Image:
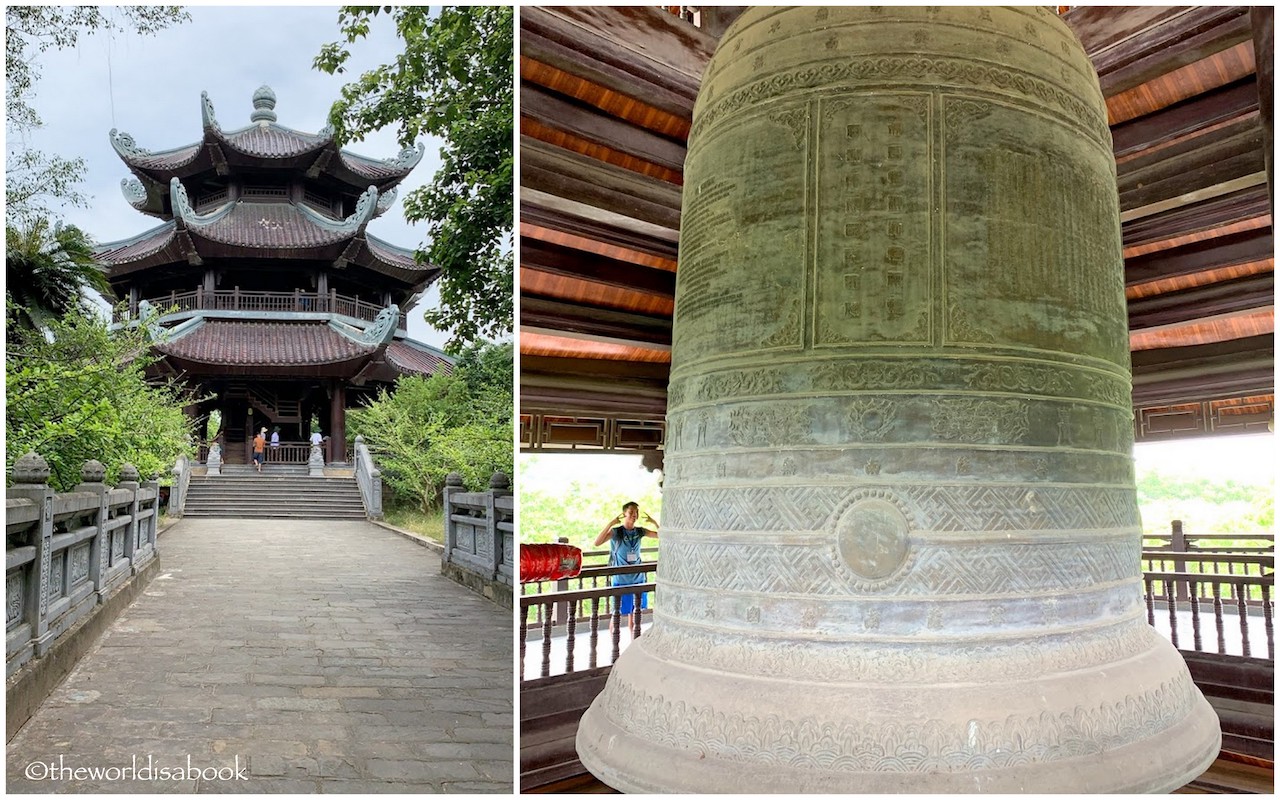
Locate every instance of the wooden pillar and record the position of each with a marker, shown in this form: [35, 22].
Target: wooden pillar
[1263, 19]
[338, 422]
[210, 281]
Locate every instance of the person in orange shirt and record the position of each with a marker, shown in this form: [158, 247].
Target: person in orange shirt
[260, 449]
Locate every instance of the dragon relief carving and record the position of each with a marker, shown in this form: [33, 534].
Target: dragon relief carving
[769, 426]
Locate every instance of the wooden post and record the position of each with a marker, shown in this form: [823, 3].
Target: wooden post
[1178, 544]
[1263, 19]
[562, 585]
[338, 423]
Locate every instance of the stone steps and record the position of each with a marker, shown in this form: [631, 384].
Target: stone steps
[274, 493]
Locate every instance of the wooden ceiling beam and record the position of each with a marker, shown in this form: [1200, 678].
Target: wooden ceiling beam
[592, 386]
[1224, 251]
[1224, 104]
[583, 181]
[1166, 42]
[1103, 28]
[1262, 19]
[1215, 166]
[1205, 215]
[642, 52]
[1225, 139]
[573, 263]
[1234, 368]
[557, 317]
[598, 231]
[1188, 305]
[581, 120]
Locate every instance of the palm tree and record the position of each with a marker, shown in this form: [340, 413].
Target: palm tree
[47, 271]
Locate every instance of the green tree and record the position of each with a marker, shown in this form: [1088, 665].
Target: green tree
[47, 271]
[34, 179]
[429, 427]
[453, 80]
[81, 393]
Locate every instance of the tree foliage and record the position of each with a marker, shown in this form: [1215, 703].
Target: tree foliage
[78, 392]
[1206, 506]
[47, 270]
[429, 427]
[453, 80]
[35, 179]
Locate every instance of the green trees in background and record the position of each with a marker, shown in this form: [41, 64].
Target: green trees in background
[48, 269]
[453, 80]
[76, 392]
[1207, 507]
[429, 427]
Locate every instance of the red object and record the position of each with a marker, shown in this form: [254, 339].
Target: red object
[549, 562]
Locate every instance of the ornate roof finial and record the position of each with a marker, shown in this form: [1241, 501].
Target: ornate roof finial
[206, 112]
[264, 103]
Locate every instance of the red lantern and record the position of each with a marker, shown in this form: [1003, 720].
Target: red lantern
[549, 562]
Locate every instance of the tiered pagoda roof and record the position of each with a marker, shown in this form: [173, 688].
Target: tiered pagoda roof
[264, 142]
[278, 207]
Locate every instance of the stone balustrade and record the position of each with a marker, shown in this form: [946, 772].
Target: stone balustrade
[479, 537]
[68, 552]
[368, 477]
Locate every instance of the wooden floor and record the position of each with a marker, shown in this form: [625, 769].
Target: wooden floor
[1230, 774]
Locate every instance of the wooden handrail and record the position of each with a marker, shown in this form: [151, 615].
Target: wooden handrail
[1266, 561]
[583, 594]
[1210, 577]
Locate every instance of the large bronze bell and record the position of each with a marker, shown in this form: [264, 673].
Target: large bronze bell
[901, 541]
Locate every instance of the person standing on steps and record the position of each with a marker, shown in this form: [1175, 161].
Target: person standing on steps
[624, 551]
[275, 443]
[317, 440]
[260, 449]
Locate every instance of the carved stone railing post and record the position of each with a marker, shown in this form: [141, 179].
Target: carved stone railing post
[145, 547]
[499, 486]
[31, 481]
[452, 485]
[93, 480]
[315, 462]
[369, 479]
[181, 480]
[129, 480]
[215, 459]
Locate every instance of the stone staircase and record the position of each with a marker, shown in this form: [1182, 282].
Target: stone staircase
[282, 490]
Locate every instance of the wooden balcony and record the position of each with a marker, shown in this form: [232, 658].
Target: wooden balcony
[299, 302]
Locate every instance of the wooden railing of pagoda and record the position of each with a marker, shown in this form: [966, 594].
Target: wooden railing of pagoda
[1226, 584]
[266, 302]
[593, 608]
[592, 576]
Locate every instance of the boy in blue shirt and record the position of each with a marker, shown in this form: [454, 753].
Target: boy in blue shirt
[624, 550]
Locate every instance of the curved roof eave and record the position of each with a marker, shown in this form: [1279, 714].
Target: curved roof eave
[136, 251]
[397, 262]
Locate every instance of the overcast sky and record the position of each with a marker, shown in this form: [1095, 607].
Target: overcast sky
[149, 87]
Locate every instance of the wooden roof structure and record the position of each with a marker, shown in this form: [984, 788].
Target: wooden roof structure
[606, 103]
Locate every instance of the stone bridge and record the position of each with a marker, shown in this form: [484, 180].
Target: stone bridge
[284, 656]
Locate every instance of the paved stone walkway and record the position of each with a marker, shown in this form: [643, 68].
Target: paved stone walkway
[324, 656]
